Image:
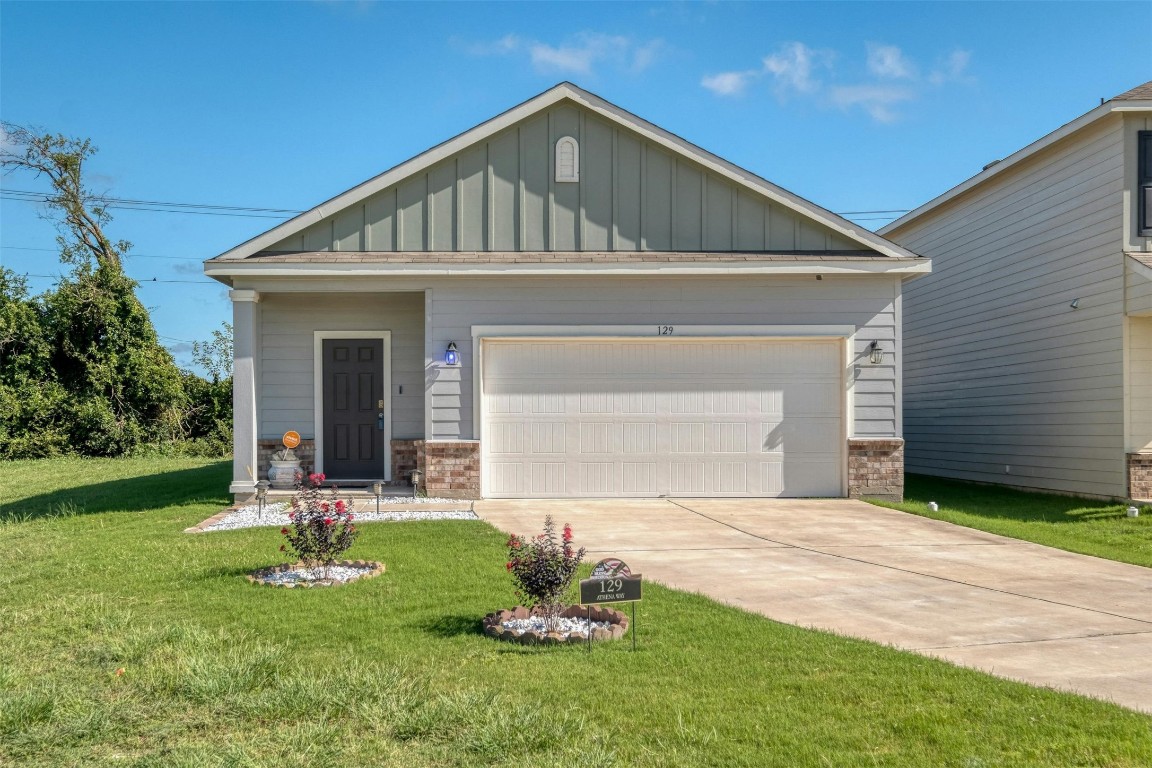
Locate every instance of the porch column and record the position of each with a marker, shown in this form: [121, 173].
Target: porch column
[245, 332]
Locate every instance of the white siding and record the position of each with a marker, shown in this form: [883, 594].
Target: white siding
[285, 391]
[1140, 383]
[1003, 380]
[866, 303]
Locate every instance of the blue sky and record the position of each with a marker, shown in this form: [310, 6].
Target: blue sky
[855, 106]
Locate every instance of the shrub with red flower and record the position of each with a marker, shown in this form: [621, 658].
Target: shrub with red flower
[542, 570]
[320, 530]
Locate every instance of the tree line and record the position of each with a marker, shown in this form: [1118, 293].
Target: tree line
[82, 370]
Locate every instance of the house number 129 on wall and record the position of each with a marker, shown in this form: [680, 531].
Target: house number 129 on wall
[664, 330]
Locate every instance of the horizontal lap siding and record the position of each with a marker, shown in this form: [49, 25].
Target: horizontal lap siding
[1003, 381]
[868, 304]
[1140, 382]
[288, 323]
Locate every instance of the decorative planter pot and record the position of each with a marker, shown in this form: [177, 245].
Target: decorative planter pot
[285, 474]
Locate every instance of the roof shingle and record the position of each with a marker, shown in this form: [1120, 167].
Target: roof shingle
[1137, 93]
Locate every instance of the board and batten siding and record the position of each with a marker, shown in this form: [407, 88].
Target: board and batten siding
[502, 195]
[869, 304]
[288, 323]
[1003, 380]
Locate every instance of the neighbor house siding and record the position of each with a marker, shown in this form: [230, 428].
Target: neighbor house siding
[1003, 380]
[502, 195]
[1140, 384]
[870, 304]
[286, 395]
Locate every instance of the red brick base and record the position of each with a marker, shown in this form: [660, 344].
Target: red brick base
[876, 469]
[403, 460]
[1140, 476]
[451, 468]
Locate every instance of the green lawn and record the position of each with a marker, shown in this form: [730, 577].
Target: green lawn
[395, 671]
[1088, 526]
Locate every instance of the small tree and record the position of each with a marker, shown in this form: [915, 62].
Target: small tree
[542, 570]
[320, 528]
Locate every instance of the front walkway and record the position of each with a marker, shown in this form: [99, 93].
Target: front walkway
[1008, 607]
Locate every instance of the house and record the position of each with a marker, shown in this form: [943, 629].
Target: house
[1028, 352]
[569, 301]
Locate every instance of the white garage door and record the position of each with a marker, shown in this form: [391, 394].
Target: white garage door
[662, 418]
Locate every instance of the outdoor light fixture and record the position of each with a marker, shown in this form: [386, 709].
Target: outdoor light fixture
[261, 495]
[451, 356]
[875, 354]
[415, 476]
[378, 489]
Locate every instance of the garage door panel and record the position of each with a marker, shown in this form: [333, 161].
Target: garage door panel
[753, 418]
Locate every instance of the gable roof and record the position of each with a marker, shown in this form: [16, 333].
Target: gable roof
[1139, 99]
[610, 112]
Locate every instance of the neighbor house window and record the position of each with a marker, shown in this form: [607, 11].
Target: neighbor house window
[1145, 191]
[567, 159]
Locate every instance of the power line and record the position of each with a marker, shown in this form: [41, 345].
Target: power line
[126, 255]
[41, 196]
[140, 280]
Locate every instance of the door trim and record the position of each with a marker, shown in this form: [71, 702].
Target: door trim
[318, 338]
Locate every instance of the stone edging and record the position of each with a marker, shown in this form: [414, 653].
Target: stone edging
[203, 525]
[377, 569]
[493, 625]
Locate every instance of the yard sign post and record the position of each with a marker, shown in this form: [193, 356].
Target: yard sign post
[611, 581]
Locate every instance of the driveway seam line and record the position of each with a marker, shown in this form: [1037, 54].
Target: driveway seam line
[911, 572]
[1028, 642]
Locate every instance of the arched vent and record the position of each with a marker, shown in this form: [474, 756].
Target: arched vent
[567, 159]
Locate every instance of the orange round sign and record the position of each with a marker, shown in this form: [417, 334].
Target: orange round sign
[291, 439]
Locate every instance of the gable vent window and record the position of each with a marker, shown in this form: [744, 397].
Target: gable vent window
[567, 159]
[1145, 192]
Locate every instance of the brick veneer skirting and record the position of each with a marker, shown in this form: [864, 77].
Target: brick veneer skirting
[451, 468]
[306, 452]
[1140, 475]
[876, 469]
[403, 460]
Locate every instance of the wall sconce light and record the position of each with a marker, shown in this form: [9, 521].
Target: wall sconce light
[1075, 303]
[875, 354]
[451, 356]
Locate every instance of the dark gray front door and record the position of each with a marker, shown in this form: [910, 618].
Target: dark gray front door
[353, 416]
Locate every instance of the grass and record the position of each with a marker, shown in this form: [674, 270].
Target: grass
[395, 671]
[1076, 524]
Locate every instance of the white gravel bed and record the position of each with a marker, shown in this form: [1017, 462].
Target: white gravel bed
[566, 627]
[317, 576]
[276, 515]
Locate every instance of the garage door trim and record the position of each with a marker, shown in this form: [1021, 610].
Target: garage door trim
[650, 333]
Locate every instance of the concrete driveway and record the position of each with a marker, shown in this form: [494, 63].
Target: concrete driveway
[1007, 607]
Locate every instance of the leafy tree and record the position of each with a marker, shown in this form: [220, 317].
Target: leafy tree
[215, 356]
[122, 387]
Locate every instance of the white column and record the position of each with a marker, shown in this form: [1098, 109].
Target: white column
[245, 336]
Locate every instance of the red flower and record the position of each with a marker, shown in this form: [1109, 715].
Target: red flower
[351, 517]
[567, 533]
[321, 476]
[327, 521]
[508, 565]
[324, 506]
[291, 515]
[284, 531]
[339, 505]
[315, 478]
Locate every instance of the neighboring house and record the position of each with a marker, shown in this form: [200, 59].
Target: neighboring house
[567, 300]
[1028, 352]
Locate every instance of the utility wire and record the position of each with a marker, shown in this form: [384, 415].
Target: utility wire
[140, 280]
[45, 197]
[126, 255]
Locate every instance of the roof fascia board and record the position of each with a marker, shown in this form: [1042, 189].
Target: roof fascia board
[223, 270]
[604, 108]
[1019, 156]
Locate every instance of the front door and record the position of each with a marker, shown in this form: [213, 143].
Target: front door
[354, 409]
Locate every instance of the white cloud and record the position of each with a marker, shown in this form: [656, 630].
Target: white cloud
[877, 100]
[889, 62]
[729, 83]
[793, 65]
[952, 69]
[889, 78]
[579, 55]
